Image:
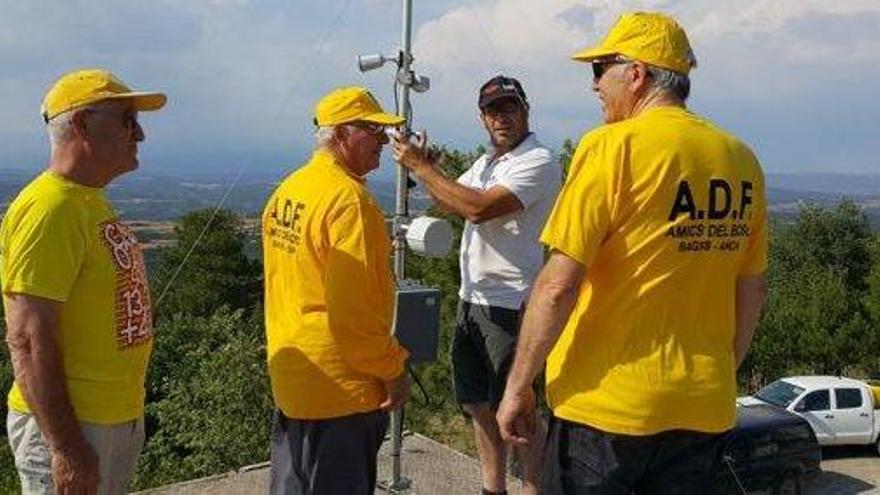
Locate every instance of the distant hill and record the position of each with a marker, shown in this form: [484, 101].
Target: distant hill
[787, 192]
[851, 185]
[778, 197]
[146, 196]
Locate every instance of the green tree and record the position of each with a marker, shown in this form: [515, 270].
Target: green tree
[872, 303]
[217, 272]
[818, 317]
[839, 239]
[566, 153]
[208, 402]
[210, 409]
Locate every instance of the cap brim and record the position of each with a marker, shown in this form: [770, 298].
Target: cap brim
[384, 119]
[593, 53]
[502, 96]
[144, 101]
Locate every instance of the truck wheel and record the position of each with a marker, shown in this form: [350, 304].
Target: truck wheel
[789, 485]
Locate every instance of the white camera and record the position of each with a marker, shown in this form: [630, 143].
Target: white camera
[392, 132]
[397, 133]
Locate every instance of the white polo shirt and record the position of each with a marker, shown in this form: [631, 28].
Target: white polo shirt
[501, 257]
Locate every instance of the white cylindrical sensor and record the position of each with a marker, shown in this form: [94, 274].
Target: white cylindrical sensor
[429, 236]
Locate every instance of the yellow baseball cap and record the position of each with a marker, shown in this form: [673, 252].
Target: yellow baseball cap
[343, 105]
[83, 87]
[650, 37]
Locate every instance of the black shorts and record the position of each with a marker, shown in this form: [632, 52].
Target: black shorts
[318, 456]
[580, 459]
[482, 352]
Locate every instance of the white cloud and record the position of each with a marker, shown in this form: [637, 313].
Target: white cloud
[222, 62]
[514, 33]
[763, 16]
[785, 40]
[244, 75]
[531, 35]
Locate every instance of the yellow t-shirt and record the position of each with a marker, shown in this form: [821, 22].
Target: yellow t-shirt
[329, 294]
[666, 211]
[62, 241]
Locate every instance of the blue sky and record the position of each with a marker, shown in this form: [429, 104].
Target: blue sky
[796, 79]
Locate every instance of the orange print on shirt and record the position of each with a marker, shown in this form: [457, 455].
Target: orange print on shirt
[134, 318]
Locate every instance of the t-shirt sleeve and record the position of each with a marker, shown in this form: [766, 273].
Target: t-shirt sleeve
[532, 178]
[43, 251]
[465, 178]
[580, 219]
[755, 257]
[358, 285]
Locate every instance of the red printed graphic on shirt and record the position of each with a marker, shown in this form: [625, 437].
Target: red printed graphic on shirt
[134, 318]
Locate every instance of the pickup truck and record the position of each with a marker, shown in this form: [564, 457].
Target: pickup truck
[841, 411]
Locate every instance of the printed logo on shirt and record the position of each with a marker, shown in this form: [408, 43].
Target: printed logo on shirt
[722, 224]
[134, 318]
[284, 226]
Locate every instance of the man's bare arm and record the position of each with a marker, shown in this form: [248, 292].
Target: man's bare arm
[474, 205]
[553, 298]
[750, 294]
[32, 332]
[552, 301]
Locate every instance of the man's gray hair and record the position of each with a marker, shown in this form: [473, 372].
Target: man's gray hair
[324, 135]
[59, 128]
[669, 81]
[675, 83]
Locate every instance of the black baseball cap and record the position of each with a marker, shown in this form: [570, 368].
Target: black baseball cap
[500, 87]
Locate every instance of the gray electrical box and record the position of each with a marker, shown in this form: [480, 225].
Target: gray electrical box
[417, 320]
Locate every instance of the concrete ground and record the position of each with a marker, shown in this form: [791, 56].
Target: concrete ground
[432, 468]
[847, 470]
[437, 469]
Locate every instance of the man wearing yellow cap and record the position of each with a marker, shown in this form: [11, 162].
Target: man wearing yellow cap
[78, 314]
[654, 284]
[335, 368]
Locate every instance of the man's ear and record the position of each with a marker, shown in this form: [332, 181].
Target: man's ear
[78, 123]
[481, 116]
[340, 137]
[638, 75]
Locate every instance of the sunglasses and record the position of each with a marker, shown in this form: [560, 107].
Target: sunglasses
[600, 67]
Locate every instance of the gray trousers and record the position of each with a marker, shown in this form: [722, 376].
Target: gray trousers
[117, 448]
[335, 456]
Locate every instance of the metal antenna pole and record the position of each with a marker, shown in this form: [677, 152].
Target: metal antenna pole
[405, 78]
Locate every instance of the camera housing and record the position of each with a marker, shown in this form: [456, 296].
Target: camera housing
[398, 133]
[392, 132]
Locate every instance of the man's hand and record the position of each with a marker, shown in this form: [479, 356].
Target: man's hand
[76, 470]
[517, 417]
[414, 156]
[397, 391]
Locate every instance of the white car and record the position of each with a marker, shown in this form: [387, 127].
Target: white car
[841, 411]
